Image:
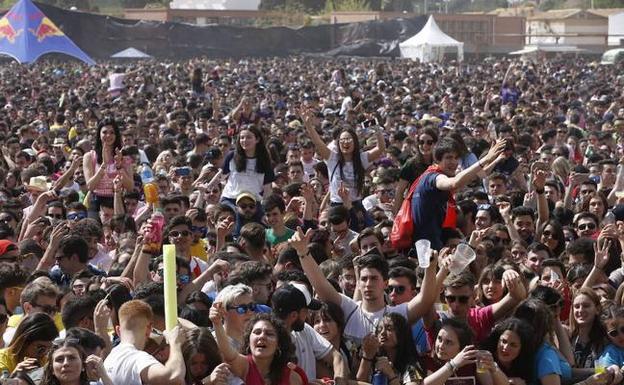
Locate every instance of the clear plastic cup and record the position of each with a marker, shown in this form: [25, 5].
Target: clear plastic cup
[464, 255]
[423, 250]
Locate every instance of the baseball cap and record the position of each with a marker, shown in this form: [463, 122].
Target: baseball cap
[293, 297]
[6, 246]
[245, 194]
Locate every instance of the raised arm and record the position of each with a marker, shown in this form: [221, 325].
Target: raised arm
[91, 174]
[310, 123]
[238, 362]
[420, 305]
[65, 178]
[446, 183]
[174, 370]
[538, 181]
[321, 285]
[380, 148]
[516, 293]
[216, 267]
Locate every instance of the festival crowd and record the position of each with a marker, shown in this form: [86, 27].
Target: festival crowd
[294, 190]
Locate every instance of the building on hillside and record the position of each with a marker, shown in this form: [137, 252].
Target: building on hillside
[221, 5]
[212, 16]
[585, 28]
[480, 33]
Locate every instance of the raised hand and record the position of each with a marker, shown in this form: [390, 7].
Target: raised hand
[217, 313]
[601, 253]
[299, 241]
[370, 346]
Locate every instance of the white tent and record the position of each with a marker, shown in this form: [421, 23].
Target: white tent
[430, 44]
[131, 53]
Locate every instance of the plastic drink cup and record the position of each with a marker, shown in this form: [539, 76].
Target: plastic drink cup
[464, 255]
[423, 250]
[481, 368]
[599, 367]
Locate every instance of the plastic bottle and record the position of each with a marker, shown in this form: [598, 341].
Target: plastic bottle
[379, 378]
[609, 218]
[153, 239]
[150, 189]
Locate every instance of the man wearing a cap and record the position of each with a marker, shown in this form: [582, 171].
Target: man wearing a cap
[291, 303]
[246, 211]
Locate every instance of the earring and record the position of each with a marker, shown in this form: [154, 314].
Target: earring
[279, 351]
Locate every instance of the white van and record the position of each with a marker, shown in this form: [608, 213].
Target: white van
[612, 56]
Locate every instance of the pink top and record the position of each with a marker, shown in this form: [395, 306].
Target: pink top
[105, 186]
[254, 377]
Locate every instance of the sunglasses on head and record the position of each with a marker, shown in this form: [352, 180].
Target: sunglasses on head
[399, 289]
[242, 309]
[76, 216]
[183, 233]
[615, 332]
[586, 226]
[463, 299]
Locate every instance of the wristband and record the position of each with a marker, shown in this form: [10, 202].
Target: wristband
[367, 359]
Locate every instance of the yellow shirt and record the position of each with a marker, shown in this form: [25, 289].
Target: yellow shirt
[199, 249]
[7, 361]
[15, 319]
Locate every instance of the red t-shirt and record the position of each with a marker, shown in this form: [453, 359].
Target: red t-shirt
[480, 319]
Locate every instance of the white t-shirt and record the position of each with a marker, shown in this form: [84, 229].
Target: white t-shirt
[244, 181]
[116, 81]
[125, 363]
[349, 176]
[359, 323]
[308, 168]
[309, 346]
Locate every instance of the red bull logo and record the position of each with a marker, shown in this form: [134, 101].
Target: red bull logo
[7, 31]
[46, 29]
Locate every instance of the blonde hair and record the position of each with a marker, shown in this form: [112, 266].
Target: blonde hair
[561, 167]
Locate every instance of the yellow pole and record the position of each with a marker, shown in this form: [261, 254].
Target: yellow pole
[171, 288]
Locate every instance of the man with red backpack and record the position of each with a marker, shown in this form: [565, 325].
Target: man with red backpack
[432, 201]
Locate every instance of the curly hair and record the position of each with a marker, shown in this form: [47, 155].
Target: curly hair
[285, 349]
[48, 377]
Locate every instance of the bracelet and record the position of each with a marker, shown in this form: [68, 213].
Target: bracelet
[367, 359]
[452, 365]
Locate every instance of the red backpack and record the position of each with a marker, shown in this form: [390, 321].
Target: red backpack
[402, 234]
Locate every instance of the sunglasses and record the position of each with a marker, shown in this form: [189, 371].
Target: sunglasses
[76, 216]
[463, 299]
[48, 309]
[399, 289]
[56, 216]
[199, 229]
[242, 309]
[388, 191]
[615, 332]
[336, 221]
[548, 233]
[250, 206]
[427, 142]
[586, 226]
[176, 234]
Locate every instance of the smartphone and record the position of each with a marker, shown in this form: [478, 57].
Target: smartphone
[183, 171]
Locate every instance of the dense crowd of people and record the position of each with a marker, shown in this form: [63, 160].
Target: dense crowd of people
[294, 190]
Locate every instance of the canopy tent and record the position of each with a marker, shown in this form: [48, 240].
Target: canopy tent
[131, 53]
[430, 44]
[26, 34]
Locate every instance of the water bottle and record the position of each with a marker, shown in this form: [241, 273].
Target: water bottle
[379, 378]
[153, 239]
[147, 175]
[609, 218]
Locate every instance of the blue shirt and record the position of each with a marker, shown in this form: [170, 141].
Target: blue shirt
[549, 361]
[612, 355]
[419, 336]
[429, 209]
